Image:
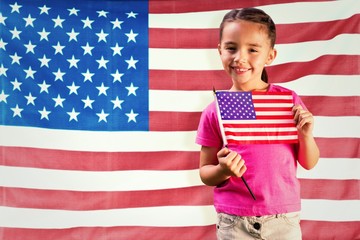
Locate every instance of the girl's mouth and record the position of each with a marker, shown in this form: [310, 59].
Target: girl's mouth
[240, 70]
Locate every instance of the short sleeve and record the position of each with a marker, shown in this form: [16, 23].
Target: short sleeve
[208, 133]
[297, 100]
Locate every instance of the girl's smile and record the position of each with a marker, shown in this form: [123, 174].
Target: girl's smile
[240, 70]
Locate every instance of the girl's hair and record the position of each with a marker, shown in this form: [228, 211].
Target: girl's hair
[253, 15]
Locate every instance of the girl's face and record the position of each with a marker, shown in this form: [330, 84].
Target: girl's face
[244, 51]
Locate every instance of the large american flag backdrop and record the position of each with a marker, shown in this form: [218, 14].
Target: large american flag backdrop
[100, 102]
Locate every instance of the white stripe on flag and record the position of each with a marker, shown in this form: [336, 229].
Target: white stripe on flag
[272, 105]
[98, 141]
[208, 59]
[134, 180]
[330, 210]
[167, 216]
[258, 121]
[332, 168]
[336, 85]
[265, 137]
[337, 127]
[306, 51]
[272, 96]
[282, 129]
[261, 113]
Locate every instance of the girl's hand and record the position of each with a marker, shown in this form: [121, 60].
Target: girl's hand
[304, 120]
[231, 162]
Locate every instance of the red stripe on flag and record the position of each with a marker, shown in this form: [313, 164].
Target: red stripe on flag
[271, 101]
[256, 125]
[333, 106]
[183, 38]
[330, 189]
[173, 121]
[112, 233]
[282, 141]
[339, 147]
[330, 230]
[260, 134]
[64, 200]
[156, 6]
[272, 109]
[271, 95]
[188, 80]
[303, 32]
[274, 117]
[98, 161]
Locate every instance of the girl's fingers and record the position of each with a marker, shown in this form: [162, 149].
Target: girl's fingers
[302, 116]
[235, 163]
[305, 120]
[223, 152]
[241, 168]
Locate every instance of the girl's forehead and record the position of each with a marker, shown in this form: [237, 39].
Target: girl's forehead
[245, 29]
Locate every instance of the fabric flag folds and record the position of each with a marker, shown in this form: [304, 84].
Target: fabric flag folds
[100, 102]
[257, 117]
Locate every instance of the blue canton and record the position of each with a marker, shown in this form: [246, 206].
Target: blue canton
[80, 65]
[236, 105]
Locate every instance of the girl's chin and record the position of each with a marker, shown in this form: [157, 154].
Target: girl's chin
[240, 79]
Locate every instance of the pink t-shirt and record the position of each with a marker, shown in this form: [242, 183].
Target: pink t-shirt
[271, 171]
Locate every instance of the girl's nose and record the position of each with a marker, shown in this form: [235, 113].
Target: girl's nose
[241, 60]
[240, 57]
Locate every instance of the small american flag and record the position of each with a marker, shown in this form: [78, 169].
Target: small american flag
[256, 117]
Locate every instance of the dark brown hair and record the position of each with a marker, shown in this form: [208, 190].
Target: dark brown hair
[252, 15]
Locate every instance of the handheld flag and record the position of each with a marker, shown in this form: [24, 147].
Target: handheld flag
[257, 117]
[225, 143]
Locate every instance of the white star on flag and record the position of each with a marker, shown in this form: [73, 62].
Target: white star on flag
[131, 62]
[132, 116]
[102, 116]
[131, 36]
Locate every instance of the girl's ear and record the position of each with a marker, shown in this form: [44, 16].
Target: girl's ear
[219, 48]
[272, 56]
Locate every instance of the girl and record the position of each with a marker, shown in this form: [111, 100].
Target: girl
[247, 39]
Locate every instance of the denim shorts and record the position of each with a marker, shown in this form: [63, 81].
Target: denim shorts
[273, 227]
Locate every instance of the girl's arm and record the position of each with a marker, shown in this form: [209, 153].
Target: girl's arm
[308, 153]
[217, 165]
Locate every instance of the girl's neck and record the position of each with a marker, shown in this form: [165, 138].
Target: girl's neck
[260, 87]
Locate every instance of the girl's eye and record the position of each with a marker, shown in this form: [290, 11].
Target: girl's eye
[230, 48]
[252, 50]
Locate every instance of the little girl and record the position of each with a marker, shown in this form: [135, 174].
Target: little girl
[247, 39]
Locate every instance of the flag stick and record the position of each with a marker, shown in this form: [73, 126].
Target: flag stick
[225, 141]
